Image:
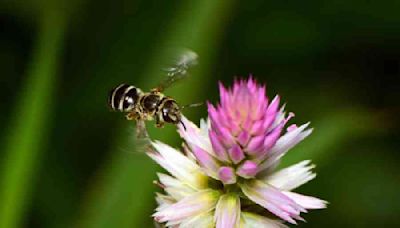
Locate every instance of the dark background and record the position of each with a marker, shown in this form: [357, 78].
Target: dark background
[67, 161]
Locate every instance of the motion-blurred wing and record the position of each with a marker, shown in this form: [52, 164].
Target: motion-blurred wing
[141, 131]
[137, 139]
[179, 69]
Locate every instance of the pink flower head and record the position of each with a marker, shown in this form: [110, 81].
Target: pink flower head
[245, 127]
[240, 147]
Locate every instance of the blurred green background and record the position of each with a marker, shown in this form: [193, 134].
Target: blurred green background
[67, 161]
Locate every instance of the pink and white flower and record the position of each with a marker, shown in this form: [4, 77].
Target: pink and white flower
[226, 176]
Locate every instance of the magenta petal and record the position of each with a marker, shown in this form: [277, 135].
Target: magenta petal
[268, 143]
[225, 136]
[272, 110]
[271, 139]
[227, 175]
[262, 99]
[224, 95]
[248, 123]
[255, 144]
[236, 154]
[243, 138]
[227, 122]
[219, 149]
[258, 128]
[218, 117]
[209, 163]
[292, 127]
[236, 86]
[247, 170]
[212, 113]
[251, 85]
[273, 107]
[259, 104]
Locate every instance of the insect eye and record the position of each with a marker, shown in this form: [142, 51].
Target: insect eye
[170, 112]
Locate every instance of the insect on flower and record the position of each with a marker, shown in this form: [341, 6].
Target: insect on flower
[145, 106]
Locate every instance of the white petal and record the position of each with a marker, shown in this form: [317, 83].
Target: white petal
[227, 212]
[308, 202]
[196, 136]
[175, 188]
[290, 139]
[292, 176]
[250, 220]
[193, 205]
[205, 125]
[272, 199]
[284, 144]
[280, 116]
[203, 221]
[178, 165]
[163, 201]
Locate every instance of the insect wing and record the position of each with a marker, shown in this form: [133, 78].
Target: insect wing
[137, 139]
[141, 131]
[179, 69]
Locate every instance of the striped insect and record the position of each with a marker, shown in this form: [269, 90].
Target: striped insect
[154, 105]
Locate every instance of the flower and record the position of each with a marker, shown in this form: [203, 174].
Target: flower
[226, 176]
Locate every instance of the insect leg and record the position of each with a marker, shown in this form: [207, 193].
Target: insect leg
[132, 115]
[159, 122]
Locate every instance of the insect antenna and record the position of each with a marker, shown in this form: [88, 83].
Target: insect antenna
[189, 106]
[183, 125]
[192, 105]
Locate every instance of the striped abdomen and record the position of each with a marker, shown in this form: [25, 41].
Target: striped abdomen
[124, 97]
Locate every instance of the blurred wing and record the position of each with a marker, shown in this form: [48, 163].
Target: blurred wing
[179, 69]
[143, 141]
[141, 131]
[137, 140]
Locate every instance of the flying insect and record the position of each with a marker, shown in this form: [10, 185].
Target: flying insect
[154, 105]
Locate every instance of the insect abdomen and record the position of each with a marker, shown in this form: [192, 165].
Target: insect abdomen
[124, 97]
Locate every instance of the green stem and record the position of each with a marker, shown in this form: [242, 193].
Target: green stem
[28, 129]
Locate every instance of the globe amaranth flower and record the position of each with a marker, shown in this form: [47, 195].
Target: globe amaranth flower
[226, 176]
